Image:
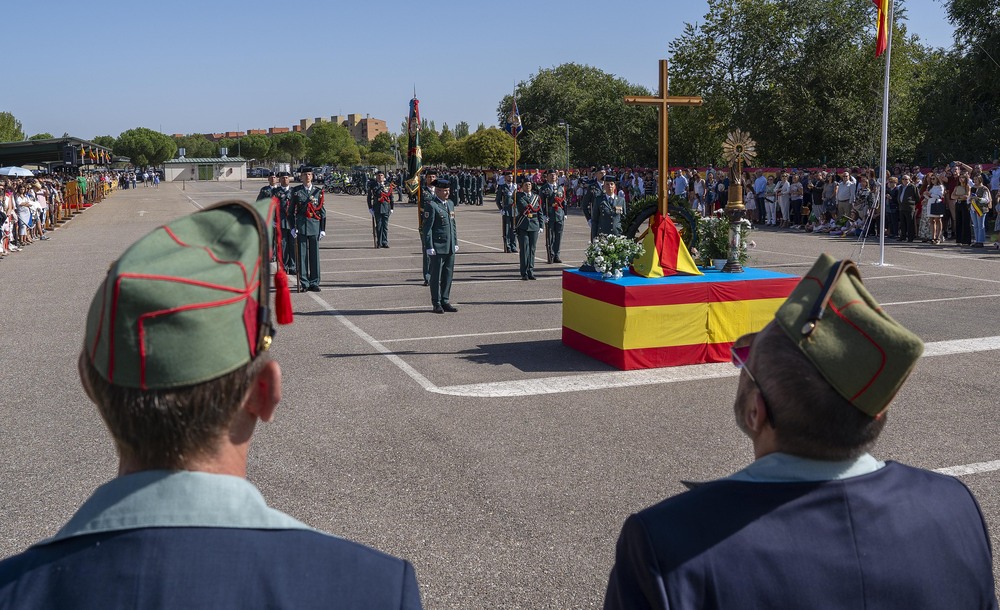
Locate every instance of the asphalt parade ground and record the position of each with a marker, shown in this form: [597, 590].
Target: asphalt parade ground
[474, 444]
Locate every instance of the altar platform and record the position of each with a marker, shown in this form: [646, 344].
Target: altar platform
[636, 322]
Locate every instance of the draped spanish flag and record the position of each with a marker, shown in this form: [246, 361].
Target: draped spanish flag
[665, 253]
[881, 40]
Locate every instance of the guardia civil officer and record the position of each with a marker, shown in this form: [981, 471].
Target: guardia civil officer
[592, 189]
[380, 207]
[266, 191]
[553, 197]
[440, 240]
[426, 193]
[478, 187]
[309, 220]
[178, 525]
[453, 186]
[505, 199]
[816, 521]
[284, 194]
[528, 221]
[607, 210]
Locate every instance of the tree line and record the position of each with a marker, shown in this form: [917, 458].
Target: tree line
[801, 76]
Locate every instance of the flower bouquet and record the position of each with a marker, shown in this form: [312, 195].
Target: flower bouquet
[610, 255]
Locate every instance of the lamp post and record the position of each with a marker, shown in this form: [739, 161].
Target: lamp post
[566, 125]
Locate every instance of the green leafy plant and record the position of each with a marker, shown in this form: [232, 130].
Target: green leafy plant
[713, 238]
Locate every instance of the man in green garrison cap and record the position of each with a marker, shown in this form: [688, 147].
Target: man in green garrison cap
[815, 521]
[176, 359]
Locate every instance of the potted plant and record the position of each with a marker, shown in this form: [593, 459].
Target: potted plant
[610, 255]
[713, 240]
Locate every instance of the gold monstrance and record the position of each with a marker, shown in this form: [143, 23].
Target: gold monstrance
[738, 150]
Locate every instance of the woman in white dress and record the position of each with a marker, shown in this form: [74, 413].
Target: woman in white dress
[932, 206]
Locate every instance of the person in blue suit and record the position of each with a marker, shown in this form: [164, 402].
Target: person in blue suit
[815, 521]
[176, 358]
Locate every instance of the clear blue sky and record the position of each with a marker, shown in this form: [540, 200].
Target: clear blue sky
[193, 66]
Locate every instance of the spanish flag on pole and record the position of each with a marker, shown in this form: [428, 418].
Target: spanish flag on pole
[881, 40]
[664, 251]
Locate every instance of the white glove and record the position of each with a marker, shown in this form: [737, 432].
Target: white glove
[456, 248]
[322, 234]
[390, 211]
[431, 252]
[295, 234]
[371, 212]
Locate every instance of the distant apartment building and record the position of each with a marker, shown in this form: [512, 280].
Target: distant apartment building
[362, 128]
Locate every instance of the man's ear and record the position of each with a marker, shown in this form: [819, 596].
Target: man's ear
[265, 392]
[755, 416]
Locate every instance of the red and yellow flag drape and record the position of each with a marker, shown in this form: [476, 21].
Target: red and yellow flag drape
[882, 38]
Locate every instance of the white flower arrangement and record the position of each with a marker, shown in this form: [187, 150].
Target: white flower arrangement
[610, 255]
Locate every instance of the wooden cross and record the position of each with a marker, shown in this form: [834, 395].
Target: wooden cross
[663, 101]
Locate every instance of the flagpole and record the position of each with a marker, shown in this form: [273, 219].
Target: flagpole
[885, 134]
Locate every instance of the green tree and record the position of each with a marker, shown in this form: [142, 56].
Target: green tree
[603, 128]
[958, 95]
[446, 135]
[293, 143]
[331, 144]
[461, 130]
[255, 146]
[801, 77]
[10, 128]
[145, 146]
[197, 145]
[229, 144]
[105, 141]
[454, 153]
[489, 148]
[381, 159]
[480, 127]
[42, 136]
[431, 146]
[382, 143]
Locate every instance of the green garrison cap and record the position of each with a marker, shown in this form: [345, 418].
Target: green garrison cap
[862, 352]
[188, 302]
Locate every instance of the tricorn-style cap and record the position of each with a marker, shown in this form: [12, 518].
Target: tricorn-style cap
[187, 303]
[861, 351]
[610, 178]
[442, 183]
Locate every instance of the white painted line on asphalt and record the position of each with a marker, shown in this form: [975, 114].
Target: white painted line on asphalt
[592, 381]
[499, 332]
[977, 296]
[406, 228]
[193, 202]
[961, 346]
[621, 379]
[417, 270]
[416, 282]
[399, 362]
[957, 471]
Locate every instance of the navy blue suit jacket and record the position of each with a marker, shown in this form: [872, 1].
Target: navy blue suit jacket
[196, 567]
[897, 538]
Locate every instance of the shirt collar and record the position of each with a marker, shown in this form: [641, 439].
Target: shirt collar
[786, 468]
[160, 498]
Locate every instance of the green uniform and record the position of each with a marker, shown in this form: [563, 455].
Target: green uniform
[309, 220]
[529, 220]
[606, 215]
[426, 194]
[505, 203]
[380, 204]
[554, 203]
[439, 235]
[284, 195]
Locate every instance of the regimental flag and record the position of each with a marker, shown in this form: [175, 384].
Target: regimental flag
[882, 39]
[413, 157]
[513, 123]
[664, 251]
